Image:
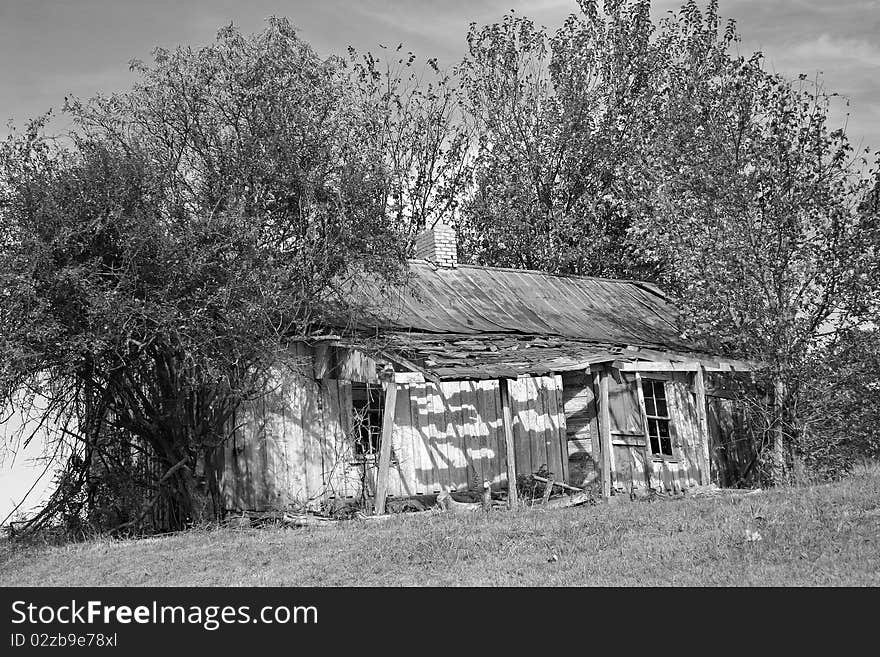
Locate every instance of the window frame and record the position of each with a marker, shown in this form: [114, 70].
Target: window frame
[374, 406]
[649, 385]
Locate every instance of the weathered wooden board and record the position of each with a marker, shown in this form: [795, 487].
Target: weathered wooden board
[440, 438]
[560, 427]
[277, 473]
[385, 445]
[518, 399]
[404, 444]
[699, 388]
[353, 365]
[313, 441]
[510, 451]
[434, 432]
[296, 440]
[623, 404]
[455, 398]
[547, 433]
[534, 424]
[489, 412]
[629, 464]
[349, 477]
[257, 453]
[686, 425]
[474, 432]
[732, 453]
[579, 406]
[294, 447]
[328, 391]
[602, 382]
[232, 477]
[581, 427]
[419, 402]
[428, 438]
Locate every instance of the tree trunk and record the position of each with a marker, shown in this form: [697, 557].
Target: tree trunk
[778, 454]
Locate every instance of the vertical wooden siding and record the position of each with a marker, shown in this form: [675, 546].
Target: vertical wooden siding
[447, 436]
[623, 404]
[732, 452]
[581, 428]
[291, 448]
[631, 462]
[539, 425]
[688, 462]
[628, 440]
[294, 447]
[686, 426]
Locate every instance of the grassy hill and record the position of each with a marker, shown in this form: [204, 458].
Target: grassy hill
[820, 535]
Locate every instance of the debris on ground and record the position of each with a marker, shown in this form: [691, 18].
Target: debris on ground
[753, 536]
[250, 519]
[538, 490]
[566, 501]
[706, 491]
[542, 490]
[711, 490]
[469, 501]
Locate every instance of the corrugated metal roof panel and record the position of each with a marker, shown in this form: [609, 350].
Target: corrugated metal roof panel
[472, 300]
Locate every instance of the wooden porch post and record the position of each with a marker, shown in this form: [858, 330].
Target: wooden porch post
[605, 431]
[385, 446]
[507, 421]
[700, 391]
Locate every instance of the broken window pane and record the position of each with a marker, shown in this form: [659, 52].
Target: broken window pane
[367, 408]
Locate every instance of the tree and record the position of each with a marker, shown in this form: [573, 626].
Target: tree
[621, 148]
[557, 121]
[156, 263]
[838, 410]
[413, 113]
[753, 220]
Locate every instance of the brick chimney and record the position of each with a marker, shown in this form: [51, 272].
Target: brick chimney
[438, 244]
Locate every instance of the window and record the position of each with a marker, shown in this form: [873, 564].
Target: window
[367, 405]
[658, 417]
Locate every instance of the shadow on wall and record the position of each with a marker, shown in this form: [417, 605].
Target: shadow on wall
[294, 446]
[454, 433]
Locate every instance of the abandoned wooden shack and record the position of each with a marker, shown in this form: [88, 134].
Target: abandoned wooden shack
[483, 373]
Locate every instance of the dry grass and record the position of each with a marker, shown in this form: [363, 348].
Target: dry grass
[820, 535]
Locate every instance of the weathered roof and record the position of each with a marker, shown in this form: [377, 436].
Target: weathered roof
[473, 300]
[494, 356]
[445, 356]
[473, 322]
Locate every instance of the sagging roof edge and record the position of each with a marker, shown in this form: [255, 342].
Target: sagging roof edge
[625, 358]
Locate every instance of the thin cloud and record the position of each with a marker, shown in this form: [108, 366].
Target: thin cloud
[830, 51]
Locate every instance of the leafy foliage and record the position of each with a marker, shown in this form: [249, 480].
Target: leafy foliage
[620, 147]
[558, 121]
[157, 261]
[754, 222]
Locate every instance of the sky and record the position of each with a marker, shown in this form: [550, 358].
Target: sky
[53, 48]
[50, 49]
